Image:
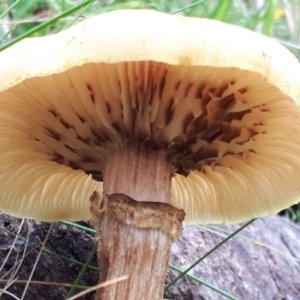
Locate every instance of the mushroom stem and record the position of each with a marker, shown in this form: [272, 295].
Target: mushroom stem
[141, 174]
[135, 236]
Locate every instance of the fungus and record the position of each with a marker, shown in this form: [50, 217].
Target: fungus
[159, 117]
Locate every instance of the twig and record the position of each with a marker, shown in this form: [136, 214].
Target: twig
[98, 286]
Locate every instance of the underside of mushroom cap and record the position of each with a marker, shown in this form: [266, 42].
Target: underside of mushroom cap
[224, 117]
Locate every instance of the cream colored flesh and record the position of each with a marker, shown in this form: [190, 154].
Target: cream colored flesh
[236, 152]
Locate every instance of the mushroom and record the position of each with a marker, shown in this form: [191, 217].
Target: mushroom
[159, 117]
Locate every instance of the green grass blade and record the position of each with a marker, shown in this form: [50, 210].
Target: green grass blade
[79, 15]
[221, 10]
[75, 225]
[268, 23]
[46, 24]
[208, 253]
[82, 272]
[196, 279]
[187, 7]
[9, 9]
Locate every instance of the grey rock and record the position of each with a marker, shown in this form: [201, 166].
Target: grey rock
[268, 269]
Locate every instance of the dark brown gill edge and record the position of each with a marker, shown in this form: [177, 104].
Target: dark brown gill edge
[136, 224]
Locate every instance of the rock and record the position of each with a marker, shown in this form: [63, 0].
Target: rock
[241, 268]
[267, 269]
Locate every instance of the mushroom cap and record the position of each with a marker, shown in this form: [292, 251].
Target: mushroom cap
[218, 100]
